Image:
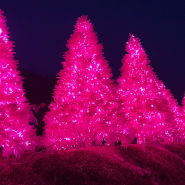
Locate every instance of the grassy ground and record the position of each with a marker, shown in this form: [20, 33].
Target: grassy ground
[159, 164]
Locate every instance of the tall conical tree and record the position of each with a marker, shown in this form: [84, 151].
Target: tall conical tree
[15, 133]
[84, 107]
[145, 106]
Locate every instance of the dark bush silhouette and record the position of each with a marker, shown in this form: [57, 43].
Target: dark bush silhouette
[38, 88]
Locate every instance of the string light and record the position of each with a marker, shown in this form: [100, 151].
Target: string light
[150, 109]
[87, 92]
[15, 133]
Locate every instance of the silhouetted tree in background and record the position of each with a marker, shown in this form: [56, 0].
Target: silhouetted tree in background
[38, 89]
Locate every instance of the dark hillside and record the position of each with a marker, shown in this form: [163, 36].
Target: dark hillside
[98, 165]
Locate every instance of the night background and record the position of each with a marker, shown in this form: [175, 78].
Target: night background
[40, 30]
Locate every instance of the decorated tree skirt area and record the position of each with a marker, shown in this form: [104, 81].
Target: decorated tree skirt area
[161, 164]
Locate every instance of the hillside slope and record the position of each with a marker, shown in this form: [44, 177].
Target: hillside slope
[159, 164]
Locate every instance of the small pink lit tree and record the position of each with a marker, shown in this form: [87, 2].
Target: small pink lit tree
[145, 105]
[84, 107]
[15, 134]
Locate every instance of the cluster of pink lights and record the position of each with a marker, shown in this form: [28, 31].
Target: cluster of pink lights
[15, 133]
[151, 110]
[84, 99]
[88, 106]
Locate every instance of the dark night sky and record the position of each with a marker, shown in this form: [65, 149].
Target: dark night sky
[40, 30]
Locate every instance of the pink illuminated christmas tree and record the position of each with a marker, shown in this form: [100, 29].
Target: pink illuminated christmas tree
[15, 134]
[84, 107]
[146, 108]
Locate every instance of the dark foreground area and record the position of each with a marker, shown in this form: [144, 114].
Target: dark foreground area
[159, 164]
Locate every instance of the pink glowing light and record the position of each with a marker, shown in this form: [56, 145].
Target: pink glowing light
[81, 109]
[14, 109]
[149, 108]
